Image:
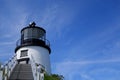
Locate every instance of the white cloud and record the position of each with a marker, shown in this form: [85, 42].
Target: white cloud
[12, 22]
[6, 36]
[71, 68]
[55, 19]
[93, 62]
[86, 77]
[7, 43]
[15, 20]
[102, 45]
[5, 54]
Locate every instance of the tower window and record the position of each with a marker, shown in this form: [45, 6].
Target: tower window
[24, 53]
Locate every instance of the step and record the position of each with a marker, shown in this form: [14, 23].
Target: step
[22, 72]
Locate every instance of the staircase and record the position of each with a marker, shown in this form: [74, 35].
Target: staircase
[22, 72]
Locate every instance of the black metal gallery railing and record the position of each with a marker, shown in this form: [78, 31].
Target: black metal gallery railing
[21, 42]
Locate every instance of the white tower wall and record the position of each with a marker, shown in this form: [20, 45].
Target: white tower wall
[40, 55]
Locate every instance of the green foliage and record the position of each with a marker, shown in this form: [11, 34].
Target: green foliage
[53, 77]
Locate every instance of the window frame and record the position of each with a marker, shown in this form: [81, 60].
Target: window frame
[24, 53]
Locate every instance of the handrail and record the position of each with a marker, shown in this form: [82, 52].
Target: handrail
[8, 67]
[34, 69]
[37, 69]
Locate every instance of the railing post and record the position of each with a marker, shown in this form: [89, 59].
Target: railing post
[9, 67]
[41, 76]
[6, 72]
[1, 75]
[1, 72]
[35, 71]
[38, 72]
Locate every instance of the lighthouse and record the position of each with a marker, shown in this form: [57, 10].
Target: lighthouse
[32, 56]
[34, 46]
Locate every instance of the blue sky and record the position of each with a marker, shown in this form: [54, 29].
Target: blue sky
[84, 34]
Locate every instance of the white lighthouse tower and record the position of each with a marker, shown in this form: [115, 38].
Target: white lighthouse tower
[34, 46]
[31, 60]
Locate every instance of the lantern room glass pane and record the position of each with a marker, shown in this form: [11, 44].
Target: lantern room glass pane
[33, 33]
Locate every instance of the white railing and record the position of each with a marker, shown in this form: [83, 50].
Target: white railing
[7, 68]
[37, 69]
